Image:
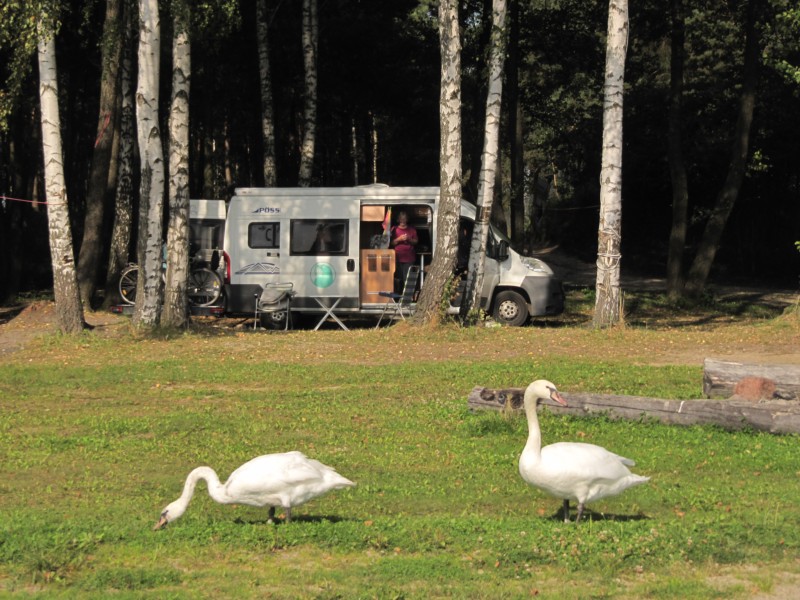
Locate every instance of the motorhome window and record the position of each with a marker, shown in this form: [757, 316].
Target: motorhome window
[205, 234]
[326, 237]
[264, 235]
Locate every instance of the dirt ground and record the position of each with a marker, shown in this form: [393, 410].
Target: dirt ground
[21, 323]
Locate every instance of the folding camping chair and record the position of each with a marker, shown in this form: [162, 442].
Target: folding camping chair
[400, 304]
[275, 303]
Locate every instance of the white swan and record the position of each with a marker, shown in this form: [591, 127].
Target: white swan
[288, 479]
[567, 470]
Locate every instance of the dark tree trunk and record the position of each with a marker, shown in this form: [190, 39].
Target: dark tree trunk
[677, 166]
[707, 250]
[122, 231]
[517, 208]
[98, 188]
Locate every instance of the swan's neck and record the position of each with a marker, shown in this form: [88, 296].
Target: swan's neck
[215, 489]
[534, 445]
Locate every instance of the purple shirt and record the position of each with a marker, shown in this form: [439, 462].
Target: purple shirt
[404, 252]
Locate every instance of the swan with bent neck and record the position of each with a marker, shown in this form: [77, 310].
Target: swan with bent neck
[286, 479]
[570, 470]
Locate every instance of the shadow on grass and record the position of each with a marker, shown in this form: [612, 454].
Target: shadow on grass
[597, 516]
[296, 519]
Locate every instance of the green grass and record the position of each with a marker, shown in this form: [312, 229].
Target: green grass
[97, 435]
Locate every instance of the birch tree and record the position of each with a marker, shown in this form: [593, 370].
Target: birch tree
[607, 310]
[99, 183]
[175, 295]
[491, 141]
[310, 45]
[123, 207]
[265, 79]
[69, 310]
[450, 177]
[151, 189]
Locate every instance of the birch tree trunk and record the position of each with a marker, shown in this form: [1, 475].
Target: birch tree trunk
[119, 253]
[65, 281]
[265, 77]
[310, 35]
[712, 234]
[470, 303]
[98, 188]
[607, 309]
[151, 189]
[175, 295]
[677, 166]
[441, 269]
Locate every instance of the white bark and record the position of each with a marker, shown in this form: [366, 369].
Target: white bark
[450, 176]
[265, 77]
[65, 281]
[489, 161]
[175, 297]
[310, 36]
[151, 197]
[607, 310]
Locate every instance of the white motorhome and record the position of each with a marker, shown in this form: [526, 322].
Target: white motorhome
[325, 241]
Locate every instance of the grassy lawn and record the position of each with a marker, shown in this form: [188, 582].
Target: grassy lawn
[97, 434]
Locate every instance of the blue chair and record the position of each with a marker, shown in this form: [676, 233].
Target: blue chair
[401, 304]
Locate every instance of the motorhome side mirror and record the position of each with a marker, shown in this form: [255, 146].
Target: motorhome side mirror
[501, 252]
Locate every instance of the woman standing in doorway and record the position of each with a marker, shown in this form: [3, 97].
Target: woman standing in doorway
[404, 240]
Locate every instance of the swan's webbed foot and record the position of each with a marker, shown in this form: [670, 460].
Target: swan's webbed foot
[580, 512]
[566, 511]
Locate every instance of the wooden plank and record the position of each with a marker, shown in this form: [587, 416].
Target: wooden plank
[720, 377]
[775, 416]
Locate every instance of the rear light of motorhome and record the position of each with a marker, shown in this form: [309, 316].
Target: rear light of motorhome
[227, 267]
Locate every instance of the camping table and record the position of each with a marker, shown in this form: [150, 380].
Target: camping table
[329, 310]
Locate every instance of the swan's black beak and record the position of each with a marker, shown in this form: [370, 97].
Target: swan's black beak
[554, 395]
[161, 523]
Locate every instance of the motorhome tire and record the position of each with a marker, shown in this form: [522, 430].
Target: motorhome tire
[510, 308]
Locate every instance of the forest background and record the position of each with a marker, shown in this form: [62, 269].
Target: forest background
[378, 109]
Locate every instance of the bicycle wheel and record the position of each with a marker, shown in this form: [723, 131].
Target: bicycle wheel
[204, 287]
[127, 284]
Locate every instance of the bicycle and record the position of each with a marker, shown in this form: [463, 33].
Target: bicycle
[203, 286]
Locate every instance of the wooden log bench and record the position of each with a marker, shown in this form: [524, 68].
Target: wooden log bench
[774, 416]
[720, 379]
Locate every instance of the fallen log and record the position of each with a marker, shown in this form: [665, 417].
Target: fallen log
[775, 416]
[720, 378]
